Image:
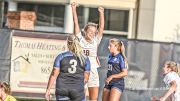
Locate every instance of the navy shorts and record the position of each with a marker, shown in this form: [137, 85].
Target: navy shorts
[118, 86]
[66, 94]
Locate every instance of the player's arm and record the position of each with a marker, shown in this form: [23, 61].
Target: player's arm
[86, 76]
[122, 74]
[87, 70]
[52, 78]
[124, 70]
[171, 90]
[101, 22]
[75, 18]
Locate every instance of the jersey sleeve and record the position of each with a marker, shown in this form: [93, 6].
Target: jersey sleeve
[87, 65]
[122, 63]
[170, 77]
[57, 62]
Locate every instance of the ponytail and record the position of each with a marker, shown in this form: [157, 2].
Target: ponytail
[75, 48]
[122, 51]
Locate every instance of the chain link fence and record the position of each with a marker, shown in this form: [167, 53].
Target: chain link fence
[146, 59]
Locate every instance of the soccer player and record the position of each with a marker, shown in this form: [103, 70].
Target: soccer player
[71, 71]
[90, 41]
[172, 80]
[117, 70]
[5, 92]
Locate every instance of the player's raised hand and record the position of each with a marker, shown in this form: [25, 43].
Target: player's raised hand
[73, 5]
[101, 9]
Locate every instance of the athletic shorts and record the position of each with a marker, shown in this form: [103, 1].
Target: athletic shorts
[93, 78]
[117, 86]
[66, 94]
[176, 96]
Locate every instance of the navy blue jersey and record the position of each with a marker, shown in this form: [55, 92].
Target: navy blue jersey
[71, 70]
[115, 66]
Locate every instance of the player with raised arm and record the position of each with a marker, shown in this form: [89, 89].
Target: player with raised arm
[90, 41]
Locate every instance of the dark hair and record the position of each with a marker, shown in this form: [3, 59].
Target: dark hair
[6, 87]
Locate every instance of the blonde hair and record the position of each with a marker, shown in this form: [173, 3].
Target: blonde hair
[120, 47]
[6, 87]
[90, 24]
[173, 66]
[75, 48]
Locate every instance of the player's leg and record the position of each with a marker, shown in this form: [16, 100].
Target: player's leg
[116, 91]
[105, 96]
[93, 84]
[115, 94]
[93, 93]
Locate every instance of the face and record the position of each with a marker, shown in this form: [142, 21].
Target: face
[166, 69]
[112, 48]
[90, 32]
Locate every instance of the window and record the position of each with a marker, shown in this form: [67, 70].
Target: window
[47, 15]
[80, 14]
[115, 20]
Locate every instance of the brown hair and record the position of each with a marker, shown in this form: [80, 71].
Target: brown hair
[173, 66]
[6, 87]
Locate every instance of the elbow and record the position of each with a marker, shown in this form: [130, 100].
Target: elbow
[126, 73]
[174, 88]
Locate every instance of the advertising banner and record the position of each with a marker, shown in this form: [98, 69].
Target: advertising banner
[32, 60]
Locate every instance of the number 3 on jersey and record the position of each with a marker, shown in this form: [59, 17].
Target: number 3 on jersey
[86, 52]
[73, 67]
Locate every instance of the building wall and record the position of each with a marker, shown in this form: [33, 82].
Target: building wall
[117, 5]
[167, 21]
[146, 19]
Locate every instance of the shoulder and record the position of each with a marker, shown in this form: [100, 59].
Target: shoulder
[64, 54]
[68, 53]
[170, 77]
[120, 57]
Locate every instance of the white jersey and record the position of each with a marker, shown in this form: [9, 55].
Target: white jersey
[173, 76]
[90, 49]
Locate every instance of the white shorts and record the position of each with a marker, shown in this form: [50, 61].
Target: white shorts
[177, 96]
[93, 78]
